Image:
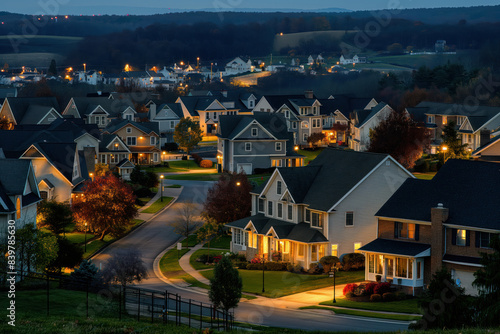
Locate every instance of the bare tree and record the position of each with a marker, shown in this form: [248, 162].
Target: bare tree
[125, 267]
[186, 221]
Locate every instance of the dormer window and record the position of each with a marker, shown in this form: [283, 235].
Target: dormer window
[129, 130]
[251, 103]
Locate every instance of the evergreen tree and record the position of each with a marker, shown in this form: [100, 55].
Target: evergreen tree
[225, 285]
[52, 68]
[451, 139]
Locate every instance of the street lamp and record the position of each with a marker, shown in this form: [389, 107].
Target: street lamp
[296, 148]
[444, 149]
[332, 274]
[161, 185]
[238, 183]
[85, 237]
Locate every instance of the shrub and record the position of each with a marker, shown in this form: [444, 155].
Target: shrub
[184, 157]
[400, 295]
[388, 297]
[349, 295]
[254, 266]
[369, 288]
[360, 290]
[289, 267]
[297, 268]
[206, 164]
[349, 288]
[256, 259]
[375, 297]
[217, 258]
[143, 192]
[275, 266]
[382, 288]
[315, 268]
[196, 158]
[242, 265]
[353, 261]
[328, 262]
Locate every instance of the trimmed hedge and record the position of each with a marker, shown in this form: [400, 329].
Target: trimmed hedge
[349, 288]
[375, 298]
[353, 261]
[382, 288]
[388, 297]
[206, 164]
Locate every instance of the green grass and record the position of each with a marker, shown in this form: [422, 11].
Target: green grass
[259, 179]
[400, 306]
[310, 155]
[79, 237]
[174, 186]
[169, 266]
[283, 283]
[177, 166]
[199, 265]
[400, 317]
[223, 242]
[158, 205]
[95, 244]
[190, 241]
[195, 177]
[425, 176]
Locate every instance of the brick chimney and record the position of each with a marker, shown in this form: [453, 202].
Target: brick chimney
[309, 94]
[484, 137]
[439, 215]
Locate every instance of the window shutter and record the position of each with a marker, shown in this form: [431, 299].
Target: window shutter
[396, 230]
[453, 236]
[467, 238]
[477, 234]
[417, 230]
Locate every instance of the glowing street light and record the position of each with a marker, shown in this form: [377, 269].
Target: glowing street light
[161, 190]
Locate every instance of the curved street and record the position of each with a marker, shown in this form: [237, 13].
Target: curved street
[153, 237]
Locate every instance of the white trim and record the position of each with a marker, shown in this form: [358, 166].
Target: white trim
[47, 114]
[366, 176]
[421, 222]
[248, 143]
[488, 145]
[254, 122]
[470, 228]
[464, 263]
[99, 106]
[44, 157]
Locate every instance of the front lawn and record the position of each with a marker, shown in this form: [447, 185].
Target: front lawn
[177, 166]
[190, 241]
[174, 186]
[158, 205]
[78, 237]
[400, 306]
[283, 283]
[199, 265]
[425, 176]
[95, 244]
[223, 242]
[400, 317]
[310, 155]
[169, 266]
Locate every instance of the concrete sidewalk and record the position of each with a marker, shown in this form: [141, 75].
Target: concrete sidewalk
[186, 266]
[167, 192]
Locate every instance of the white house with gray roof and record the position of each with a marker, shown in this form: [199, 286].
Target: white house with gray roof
[325, 208]
[362, 121]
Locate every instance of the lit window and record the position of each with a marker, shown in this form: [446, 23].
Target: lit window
[461, 238]
[335, 250]
[301, 250]
[18, 208]
[406, 230]
[314, 253]
[445, 120]
[357, 245]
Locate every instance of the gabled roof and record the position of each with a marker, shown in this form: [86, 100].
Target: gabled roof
[175, 107]
[125, 163]
[345, 104]
[365, 115]
[60, 155]
[232, 125]
[469, 189]
[301, 232]
[146, 127]
[13, 175]
[114, 107]
[31, 108]
[493, 141]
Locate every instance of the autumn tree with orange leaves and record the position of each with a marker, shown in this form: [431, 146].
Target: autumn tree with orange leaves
[107, 206]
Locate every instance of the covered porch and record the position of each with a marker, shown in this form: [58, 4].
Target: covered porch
[398, 262]
[144, 155]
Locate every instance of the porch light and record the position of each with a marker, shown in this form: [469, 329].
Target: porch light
[116, 145]
[238, 183]
[296, 148]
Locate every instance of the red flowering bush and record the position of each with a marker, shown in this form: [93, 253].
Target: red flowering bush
[370, 287]
[349, 288]
[382, 288]
[217, 258]
[256, 259]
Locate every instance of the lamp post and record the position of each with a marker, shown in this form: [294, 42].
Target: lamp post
[263, 270]
[189, 143]
[161, 187]
[332, 274]
[444, 149]
[85, 237]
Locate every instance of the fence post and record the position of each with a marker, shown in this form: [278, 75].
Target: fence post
[139, 305]
[152, 306]
[176, 309]
[211, 315]
[87, 288]
[189, 314]
[120, 304]
[166, 306]
[48, 293]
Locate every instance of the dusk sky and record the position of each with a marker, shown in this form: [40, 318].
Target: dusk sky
[107, 7]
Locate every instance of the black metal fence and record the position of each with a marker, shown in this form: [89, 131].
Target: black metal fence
[124, 302]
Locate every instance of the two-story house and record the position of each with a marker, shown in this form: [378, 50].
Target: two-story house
[489, 151]
[30, 110]
[363, 121]
[167, 115]
[100, 110]
[142, 140]
[238, 65]
[261, 140]
[335, 112]
[429, 224]
[325, 208]
[18, 195]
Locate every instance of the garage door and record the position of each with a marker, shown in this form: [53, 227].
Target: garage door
[247, 168]
[465, 278]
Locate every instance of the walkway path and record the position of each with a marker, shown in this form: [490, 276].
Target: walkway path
[188, 268]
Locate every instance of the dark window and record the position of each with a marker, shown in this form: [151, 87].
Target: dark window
[44, 195]
[316, 219]
[278, 187]
[261, 205]
[280, 210]
[290, 212]
[308, 215]
[270, 208]
[349, 218]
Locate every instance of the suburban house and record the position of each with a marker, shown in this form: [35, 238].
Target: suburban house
[315, 59]
[474, 124]
[362, 121]
[100, 110]
[238, 65]
[489, 151]
[429, 224]
[325, 208]
[351, 60]
[336, 111]
[167, 115]
[142, 140]
[60, 169]
[112, 150]
[261, 140]
[302, 113]
[19, 195]
[30, 110]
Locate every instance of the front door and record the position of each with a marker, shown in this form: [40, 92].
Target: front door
[390, 268]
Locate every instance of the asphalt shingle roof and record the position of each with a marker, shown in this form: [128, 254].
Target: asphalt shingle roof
[31, 108]
[397, 247]
[469, 189]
